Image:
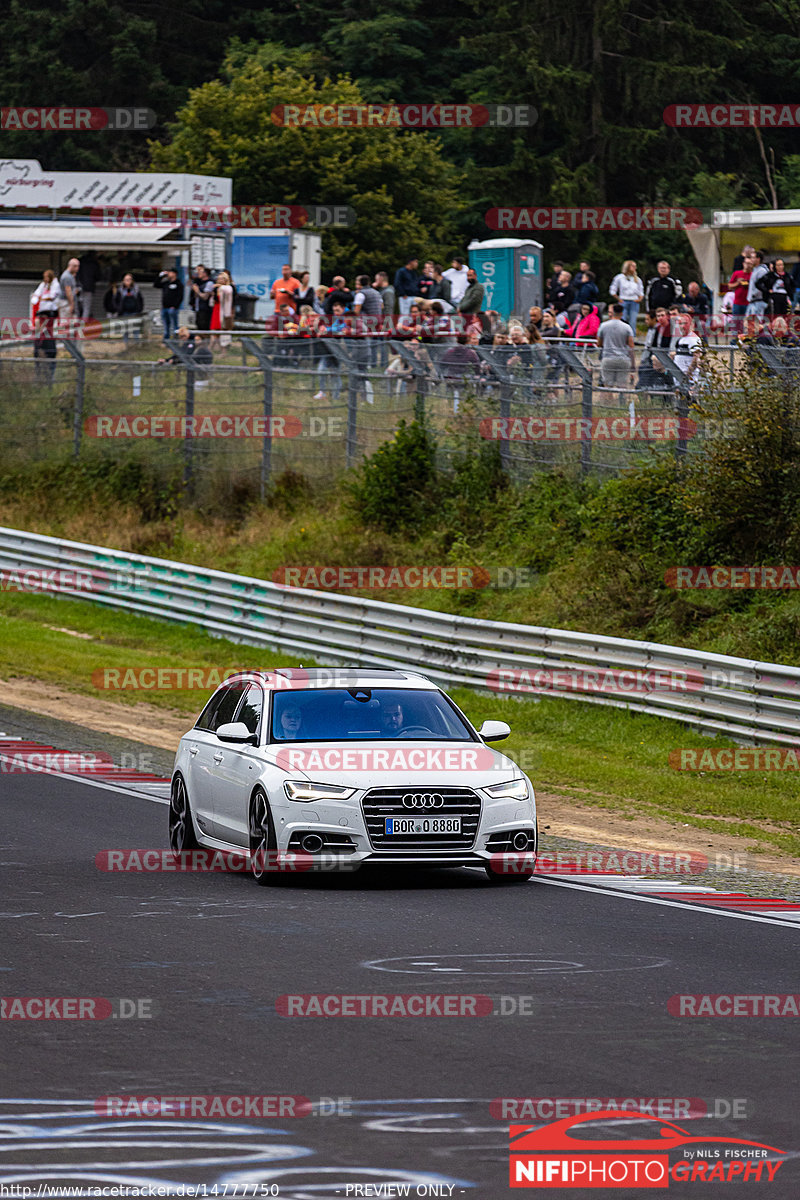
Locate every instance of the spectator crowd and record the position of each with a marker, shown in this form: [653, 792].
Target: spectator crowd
[429, 303]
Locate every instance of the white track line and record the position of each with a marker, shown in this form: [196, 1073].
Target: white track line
[124, 790]
[686, 905]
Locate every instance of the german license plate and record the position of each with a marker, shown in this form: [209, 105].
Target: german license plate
[415, 825]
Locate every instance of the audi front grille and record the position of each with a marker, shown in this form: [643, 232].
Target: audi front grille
[462, 802]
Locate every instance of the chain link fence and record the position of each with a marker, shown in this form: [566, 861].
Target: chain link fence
[241, 410]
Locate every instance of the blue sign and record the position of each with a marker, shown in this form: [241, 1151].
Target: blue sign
[255, 265]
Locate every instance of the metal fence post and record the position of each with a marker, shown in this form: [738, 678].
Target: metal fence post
[571, 361]
[352, 417]
[188, 443]
[586, 426]
[80, 387]
[682, 394]
[265, 363]
[419, 398]
[266, 447]
[505, 416]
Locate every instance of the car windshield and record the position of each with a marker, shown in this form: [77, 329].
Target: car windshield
[345, 714]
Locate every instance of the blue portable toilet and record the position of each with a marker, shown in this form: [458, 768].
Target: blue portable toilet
[510, 270]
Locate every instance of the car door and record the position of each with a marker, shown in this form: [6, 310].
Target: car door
[204, 746]
[234, 772]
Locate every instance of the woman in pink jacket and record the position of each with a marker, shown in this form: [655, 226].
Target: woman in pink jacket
[586, 324]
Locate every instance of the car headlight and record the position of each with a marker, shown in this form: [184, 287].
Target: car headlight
[515, 789]
[297, 790]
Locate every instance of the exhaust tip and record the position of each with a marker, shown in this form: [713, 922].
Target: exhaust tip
[312, 843]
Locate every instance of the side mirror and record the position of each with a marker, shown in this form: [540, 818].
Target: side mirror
[494, 731]
[238, 733]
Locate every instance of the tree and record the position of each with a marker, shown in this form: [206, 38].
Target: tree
[406, 195]
[100, 53]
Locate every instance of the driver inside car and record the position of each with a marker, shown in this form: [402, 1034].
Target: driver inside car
[392, 719]
[291, 723]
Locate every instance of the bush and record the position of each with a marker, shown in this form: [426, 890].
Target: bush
[72, 485]
[398, 488]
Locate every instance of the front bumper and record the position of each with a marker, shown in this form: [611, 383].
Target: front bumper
[351, 837]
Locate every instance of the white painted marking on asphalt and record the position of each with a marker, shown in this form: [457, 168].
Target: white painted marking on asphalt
[686, 905]
[122, 789]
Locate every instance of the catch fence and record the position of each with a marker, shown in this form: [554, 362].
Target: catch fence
[246, 408]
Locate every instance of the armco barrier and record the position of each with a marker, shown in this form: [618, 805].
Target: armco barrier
[749, 701]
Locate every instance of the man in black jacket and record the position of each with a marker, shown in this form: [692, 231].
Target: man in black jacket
[562, 295]
[171, 299]
[338, 293]
[663, 289]
[441, 289]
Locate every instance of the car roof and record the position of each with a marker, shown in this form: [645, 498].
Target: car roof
[298, 679]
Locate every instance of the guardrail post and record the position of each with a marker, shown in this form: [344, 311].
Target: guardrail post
[80, 387]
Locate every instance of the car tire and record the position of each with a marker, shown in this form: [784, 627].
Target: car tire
[263, 842]
[181, 824]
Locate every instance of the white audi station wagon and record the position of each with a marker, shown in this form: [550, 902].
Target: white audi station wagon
[338, 768]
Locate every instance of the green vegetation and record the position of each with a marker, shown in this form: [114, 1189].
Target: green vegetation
[600, 79]
[591, 554]
[602, 758]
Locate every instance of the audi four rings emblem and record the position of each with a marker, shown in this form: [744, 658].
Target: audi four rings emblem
[422, 800]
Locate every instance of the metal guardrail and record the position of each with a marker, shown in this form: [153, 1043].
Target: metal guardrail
[719, 694]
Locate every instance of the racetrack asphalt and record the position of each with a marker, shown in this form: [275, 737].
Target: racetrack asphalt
[213, 952]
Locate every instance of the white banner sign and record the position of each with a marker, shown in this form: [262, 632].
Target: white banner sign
[24, 184]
